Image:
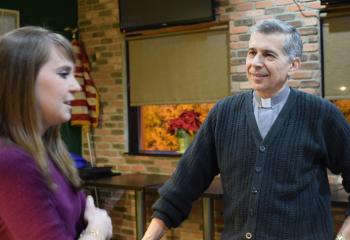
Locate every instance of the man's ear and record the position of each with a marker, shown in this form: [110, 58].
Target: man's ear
[295, 64]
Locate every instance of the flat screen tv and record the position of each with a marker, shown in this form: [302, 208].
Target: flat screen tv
[333, 2]
[135, 15]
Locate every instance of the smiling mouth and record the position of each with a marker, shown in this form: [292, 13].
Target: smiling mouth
[259, 75]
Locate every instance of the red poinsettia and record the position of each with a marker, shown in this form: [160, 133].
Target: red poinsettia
[187, 121]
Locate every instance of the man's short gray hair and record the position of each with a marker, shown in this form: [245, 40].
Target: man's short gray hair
[294, 45]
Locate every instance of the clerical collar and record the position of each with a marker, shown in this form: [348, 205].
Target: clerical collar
[281, 96]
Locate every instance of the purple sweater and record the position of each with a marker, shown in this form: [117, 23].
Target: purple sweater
[28, 208]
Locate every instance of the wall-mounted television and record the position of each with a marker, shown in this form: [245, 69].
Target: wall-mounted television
[334, 2]
[135, 15]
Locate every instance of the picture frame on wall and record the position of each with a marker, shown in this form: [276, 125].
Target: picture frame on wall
[9, 20]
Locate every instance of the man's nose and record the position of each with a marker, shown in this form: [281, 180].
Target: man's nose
[257, 60]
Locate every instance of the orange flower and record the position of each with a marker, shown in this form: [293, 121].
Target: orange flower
[155, 124]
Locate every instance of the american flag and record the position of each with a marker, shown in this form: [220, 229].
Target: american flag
[85, 107]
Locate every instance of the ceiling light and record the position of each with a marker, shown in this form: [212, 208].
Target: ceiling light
[342, 88]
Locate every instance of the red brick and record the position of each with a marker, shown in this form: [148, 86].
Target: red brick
[235, 30]
[307, 14]
[123, 168]
[238, 69]
[245, 86]
[311, 21]
[311, 47]
[262, 18]
[102, 145]
[264, 4]
[239, 45]
[234, 38]
[312, 39]
[312, 91]
[244, 6]
[224, 18]
[314, 4]
[254, 13]
[274, 10]
[302, 75]
[220, 10]
[236, 15]
[237, 1]
[308, 31]
[295, 8]
[235, 86]
[310, 65]
[284, 2]
[138, 168]
[102, 131]
[294, 83]
[310, 84]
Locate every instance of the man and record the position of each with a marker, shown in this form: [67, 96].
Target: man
[272, 148]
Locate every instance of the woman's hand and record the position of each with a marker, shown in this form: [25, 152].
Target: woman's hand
[344, 232]
[99, 224]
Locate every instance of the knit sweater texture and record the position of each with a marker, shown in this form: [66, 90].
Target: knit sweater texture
[28, 208]
[274, 188]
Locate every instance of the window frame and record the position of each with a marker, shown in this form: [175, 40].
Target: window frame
[134, 112]
[134, 124]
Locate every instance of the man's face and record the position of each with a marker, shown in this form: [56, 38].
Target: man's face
[267, 65]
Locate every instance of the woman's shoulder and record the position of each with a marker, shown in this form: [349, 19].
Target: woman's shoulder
[9, 149]
[14, 158]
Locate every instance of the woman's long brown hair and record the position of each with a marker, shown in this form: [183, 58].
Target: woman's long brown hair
[22, 54]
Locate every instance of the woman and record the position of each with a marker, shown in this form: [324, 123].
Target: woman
[39, 186]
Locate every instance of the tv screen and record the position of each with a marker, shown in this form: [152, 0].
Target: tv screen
[147, 14]
[326, 2]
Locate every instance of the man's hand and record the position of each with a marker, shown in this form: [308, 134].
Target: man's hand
[155, 230]
[344, 232]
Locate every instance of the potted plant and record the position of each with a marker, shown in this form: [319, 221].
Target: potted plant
[184, 128]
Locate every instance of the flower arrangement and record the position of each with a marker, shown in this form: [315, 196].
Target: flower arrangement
[344, 107]
[187, 122]
[155, 135]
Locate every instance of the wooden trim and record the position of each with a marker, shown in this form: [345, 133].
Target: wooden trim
[335, 11]
[178, 29]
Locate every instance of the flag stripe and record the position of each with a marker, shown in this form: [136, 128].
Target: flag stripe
[85, 107]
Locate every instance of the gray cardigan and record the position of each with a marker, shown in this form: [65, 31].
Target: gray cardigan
[274, 188]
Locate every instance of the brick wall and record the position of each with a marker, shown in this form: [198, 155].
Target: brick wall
[243, 14]
[98, 24]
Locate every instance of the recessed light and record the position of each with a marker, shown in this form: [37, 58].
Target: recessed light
[342, 88]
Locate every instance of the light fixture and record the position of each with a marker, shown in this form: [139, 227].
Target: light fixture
[342, 88]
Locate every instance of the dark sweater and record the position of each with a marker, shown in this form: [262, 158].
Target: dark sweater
[274, 188]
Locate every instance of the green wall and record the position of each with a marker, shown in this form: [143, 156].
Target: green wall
[55, 15]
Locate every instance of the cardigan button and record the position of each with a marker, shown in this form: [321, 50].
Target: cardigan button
[254, 190]
[258, 169]
[262, 148]
[248, 235]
